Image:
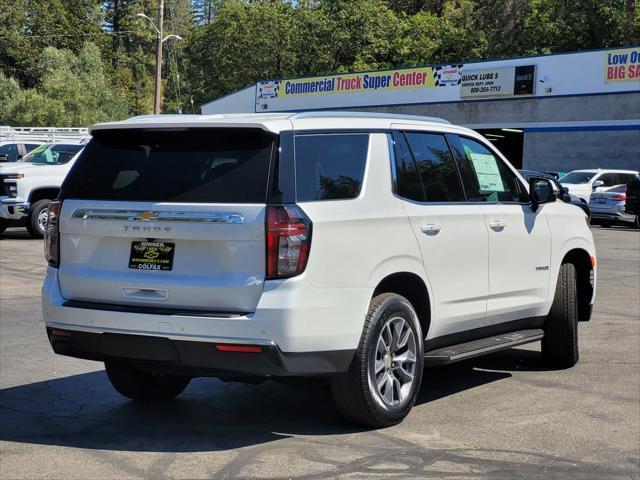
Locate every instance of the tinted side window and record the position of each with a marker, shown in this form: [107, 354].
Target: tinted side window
[609, 179]
[436, 167]
[494, 181]
[63, 153]
[330, 166]
[30, 146]
[11, 151]
[625, 177]
[408, 182]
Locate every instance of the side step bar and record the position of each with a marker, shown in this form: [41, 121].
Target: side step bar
[475, 348]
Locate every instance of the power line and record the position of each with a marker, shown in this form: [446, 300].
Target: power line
[177, 91]
[176, 78]
[124, 32]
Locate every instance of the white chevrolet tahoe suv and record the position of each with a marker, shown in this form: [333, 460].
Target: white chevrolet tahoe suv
[357, 247]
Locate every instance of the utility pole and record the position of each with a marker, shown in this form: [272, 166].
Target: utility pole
[157, 98]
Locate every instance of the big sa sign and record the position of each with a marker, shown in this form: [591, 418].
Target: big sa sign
[622, 65]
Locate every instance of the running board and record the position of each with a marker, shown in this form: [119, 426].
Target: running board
[475, 348]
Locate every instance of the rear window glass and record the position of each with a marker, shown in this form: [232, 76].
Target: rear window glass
[330, 166]
[196, 165]
[578, 177]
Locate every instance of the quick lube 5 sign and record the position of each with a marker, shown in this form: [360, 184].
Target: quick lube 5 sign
[482, 83]
[498, 82]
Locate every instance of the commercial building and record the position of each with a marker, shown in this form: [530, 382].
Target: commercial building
[551, 112]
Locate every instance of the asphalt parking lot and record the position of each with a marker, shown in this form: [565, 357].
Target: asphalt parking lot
[502, 416]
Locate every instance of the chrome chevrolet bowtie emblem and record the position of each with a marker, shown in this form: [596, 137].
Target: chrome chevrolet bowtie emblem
[147, 216]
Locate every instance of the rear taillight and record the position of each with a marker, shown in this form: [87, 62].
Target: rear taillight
[52, 234]
[239, 348]
[620, 197]
[288, 239]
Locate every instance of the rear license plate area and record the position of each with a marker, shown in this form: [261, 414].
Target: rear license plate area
[149, 255]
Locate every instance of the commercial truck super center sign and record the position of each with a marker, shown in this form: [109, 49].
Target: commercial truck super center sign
[401, 86]
[276, 93]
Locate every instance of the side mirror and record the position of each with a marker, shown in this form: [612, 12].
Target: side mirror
[541, 191]
[564, 195]
[596, 184]
[19, 157]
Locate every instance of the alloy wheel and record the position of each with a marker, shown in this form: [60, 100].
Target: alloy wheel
[394, 362]
[43, 217]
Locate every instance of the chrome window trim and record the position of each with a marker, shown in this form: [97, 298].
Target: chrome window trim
[180, 216]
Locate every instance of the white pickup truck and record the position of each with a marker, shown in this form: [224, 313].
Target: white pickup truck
[28, 186]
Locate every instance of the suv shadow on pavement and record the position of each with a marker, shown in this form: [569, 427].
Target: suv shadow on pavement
[83, 411]
[17, 234]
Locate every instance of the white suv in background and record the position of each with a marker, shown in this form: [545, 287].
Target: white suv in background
[358, 247]
[582, 183]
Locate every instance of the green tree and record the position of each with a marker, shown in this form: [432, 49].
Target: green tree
[243, 43]
[362, 34]
[229, 44]
[71, 91]
[10, 96]
[27, 27]
[556, 26]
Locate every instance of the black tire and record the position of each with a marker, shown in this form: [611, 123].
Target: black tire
[355, 395]
[3, 225]
[144, 386]
[36, 230]
[635, 224]
[560, 341]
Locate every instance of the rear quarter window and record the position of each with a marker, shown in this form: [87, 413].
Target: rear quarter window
[330, 166]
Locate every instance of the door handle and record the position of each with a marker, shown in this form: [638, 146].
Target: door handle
[497, 226]
[431, 229]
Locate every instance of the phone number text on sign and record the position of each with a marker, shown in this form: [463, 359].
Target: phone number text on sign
[487, 83]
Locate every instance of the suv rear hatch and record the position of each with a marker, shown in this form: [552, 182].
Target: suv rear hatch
[167, 218]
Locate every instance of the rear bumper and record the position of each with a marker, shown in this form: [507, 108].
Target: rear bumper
[617, 216]
[195, 358]
[303, 330]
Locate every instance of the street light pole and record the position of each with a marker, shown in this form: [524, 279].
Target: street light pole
[157, 97]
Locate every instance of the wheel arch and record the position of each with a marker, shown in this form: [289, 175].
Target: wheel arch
[413, 288]
[581, 260]
[43, 193]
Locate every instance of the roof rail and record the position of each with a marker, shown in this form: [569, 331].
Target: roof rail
[356, 114]
[42, 134]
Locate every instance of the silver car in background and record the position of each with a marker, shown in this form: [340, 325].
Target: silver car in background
[608, 207]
